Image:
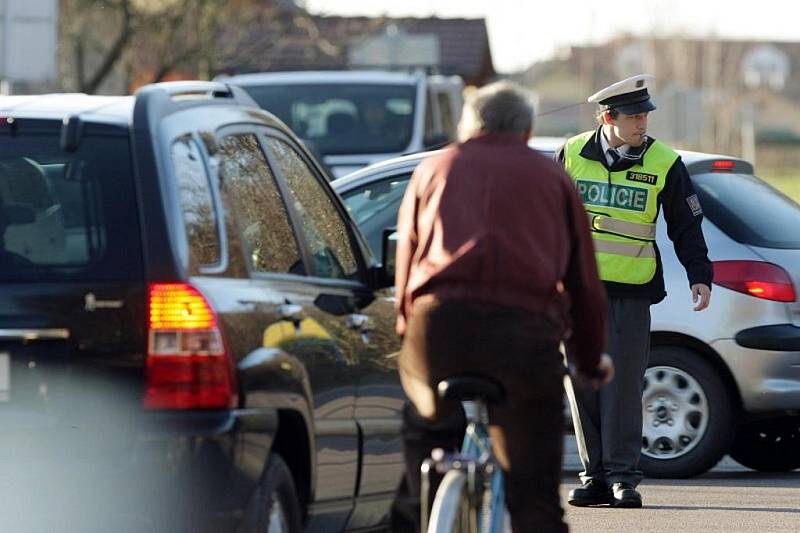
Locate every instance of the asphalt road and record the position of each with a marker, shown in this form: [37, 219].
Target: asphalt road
[729, 498]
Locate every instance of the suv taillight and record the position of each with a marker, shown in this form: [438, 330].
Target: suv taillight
[188, 366]
[756, 278]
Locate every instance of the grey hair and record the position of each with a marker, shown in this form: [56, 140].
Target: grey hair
[499, 106]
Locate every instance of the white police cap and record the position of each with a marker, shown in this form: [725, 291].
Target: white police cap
[628, 96]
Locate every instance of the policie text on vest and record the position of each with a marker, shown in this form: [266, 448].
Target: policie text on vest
[622, 196]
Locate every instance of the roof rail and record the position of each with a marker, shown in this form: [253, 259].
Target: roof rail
[161, 99]
[158, 100]
[176, 89]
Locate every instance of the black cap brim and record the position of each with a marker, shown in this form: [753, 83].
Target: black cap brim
[636, 108]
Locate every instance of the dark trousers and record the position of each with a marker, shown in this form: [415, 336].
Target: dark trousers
[517, 348]
[608, 422]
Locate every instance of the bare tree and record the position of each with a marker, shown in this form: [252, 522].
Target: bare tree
[142, 41]
[94, 37]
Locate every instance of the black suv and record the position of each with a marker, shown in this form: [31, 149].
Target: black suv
[193, 334]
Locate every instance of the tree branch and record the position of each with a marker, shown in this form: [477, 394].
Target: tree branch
[114, 53]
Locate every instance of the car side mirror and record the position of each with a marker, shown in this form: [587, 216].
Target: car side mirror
[389, 253]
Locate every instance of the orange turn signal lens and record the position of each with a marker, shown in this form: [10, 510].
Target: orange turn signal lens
[179, 306]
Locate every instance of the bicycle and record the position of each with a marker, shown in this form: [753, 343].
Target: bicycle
[471, 496]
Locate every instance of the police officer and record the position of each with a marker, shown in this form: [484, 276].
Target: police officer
[624, 178]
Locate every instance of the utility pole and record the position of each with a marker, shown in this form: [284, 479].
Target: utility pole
[5, 83]
[28, 42]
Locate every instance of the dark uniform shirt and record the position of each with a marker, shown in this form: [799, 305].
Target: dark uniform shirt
[679, 204]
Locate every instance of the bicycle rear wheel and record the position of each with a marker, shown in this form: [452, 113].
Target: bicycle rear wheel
[451, 511]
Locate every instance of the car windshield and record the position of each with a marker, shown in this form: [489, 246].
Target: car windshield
[374, 206]
[749, 210]
[343, 118]
[67, 215]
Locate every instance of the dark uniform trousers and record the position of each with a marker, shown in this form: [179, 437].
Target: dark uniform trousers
[517, 348]
[608, 422]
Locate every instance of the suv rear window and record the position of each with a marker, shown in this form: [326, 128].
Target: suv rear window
[67, 215]
[749, 210]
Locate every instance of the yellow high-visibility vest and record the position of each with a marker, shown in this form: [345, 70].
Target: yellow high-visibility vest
[622, 207]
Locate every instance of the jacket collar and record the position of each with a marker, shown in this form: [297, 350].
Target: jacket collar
[593, 149]
[497, 137]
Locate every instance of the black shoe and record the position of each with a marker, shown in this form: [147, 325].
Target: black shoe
[593, 492]
[624, 495]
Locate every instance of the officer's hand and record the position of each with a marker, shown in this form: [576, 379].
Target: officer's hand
[701, 292]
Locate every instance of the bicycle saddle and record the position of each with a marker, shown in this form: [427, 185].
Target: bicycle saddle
[463, 387]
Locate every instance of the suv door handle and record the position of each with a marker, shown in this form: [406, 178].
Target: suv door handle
[292, 312]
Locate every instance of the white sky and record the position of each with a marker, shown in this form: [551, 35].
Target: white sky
[524, 31]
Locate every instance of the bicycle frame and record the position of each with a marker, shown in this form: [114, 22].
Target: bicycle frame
[476, 460]
[477, 445]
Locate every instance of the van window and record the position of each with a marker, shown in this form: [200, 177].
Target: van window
[344, 118]
[446, 114]
[197, 204]
[323, 227]
[67, 215]
[253, 197]
[431, 129]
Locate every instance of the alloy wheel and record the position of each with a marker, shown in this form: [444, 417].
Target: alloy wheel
[675, 413]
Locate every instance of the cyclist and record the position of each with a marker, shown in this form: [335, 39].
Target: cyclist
[495, 267]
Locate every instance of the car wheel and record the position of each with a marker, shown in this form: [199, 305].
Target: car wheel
[769, 445]
[281, 511]
[687, 421]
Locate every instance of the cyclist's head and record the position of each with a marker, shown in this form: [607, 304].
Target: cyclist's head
[498, 107]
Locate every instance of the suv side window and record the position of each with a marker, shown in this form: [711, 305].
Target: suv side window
[323, 227]
[197, 204]
[256, 204]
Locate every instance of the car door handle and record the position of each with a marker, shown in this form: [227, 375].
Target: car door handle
[359, 322]
[292, 312]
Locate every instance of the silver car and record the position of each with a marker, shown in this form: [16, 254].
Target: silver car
[726, 380]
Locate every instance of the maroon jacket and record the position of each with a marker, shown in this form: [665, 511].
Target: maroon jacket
[492, 220]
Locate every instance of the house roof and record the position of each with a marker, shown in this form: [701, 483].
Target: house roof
[463, 45]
